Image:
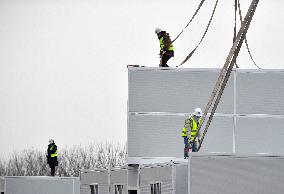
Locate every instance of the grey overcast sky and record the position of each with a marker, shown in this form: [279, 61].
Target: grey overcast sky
[63, 62]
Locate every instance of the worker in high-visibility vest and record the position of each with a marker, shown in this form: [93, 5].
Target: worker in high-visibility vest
[52, 156]
[189, 131]
[166, 47]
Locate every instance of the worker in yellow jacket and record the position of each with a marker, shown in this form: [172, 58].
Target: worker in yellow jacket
[189, 131]
[166, 47]
[52, 156]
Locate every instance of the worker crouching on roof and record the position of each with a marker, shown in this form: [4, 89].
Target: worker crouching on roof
[167, 49]
[189, 131]
[52, 156]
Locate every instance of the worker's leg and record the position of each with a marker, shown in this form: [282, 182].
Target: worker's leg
[165, 59]
[186, 147]
[194, 146]
[52, 168]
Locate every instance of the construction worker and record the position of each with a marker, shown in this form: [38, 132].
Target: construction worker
[166, 47]
[52, 156]
[189, 131]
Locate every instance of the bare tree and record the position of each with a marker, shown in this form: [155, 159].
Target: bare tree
[32, 162]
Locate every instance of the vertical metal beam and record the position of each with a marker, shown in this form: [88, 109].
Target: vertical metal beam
[138, 179]
[174, 177]
[189, 174]
[235, 111]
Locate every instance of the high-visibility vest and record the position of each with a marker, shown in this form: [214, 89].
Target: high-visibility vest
[194, 127]
[171, 47]
[184, 132]
[53, 155]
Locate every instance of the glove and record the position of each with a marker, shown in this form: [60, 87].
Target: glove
[162, 52]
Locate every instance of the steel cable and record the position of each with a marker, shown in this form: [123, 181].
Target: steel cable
[206, 30]
[195, 13]
[226, 71]
[246, 42]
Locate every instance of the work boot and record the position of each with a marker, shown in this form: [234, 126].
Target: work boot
[164, 65]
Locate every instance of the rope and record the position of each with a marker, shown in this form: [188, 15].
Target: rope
[241, 19]
[208, 25]
[197, 10]
[226, 71]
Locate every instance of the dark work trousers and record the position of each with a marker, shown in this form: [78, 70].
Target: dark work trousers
[52, 168]
[194, 146]
[186, 147]
[164, 60]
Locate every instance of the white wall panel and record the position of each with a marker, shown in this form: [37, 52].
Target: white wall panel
[118, 177]
[100, 177]
[181, 178]
[154, 174]
[42, 185]
[260, 135]
[160, 136]
[2, 184]
[132, 174]
[178, 91]
[260, 93]
[237, 174]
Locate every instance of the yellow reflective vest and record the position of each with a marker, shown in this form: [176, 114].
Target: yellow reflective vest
[190, 126]
[54, 154]
[162, 45]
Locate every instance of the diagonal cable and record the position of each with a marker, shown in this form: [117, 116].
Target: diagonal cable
[246, 42]
[208, 25]
[195, 13]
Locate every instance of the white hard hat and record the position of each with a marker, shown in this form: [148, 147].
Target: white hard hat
[51, 140]
[198, 112]
[158, 30]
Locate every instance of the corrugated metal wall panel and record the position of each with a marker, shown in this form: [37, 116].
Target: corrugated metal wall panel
[2, 183]
[220, 136]
[223, 175]
[178, 91]
[163, 135]
[42, 185]
[153, 174]
[181, 178]
[89, 177]
[260, 135]
[260, 93]
[132, 177]
[118, 177]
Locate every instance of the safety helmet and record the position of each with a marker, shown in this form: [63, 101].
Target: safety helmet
[197, 112]
[51, 141]
[158, 30]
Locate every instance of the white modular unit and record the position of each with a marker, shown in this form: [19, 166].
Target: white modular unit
[249, 118]
[93, 181]
[41, 185]
[234, 174]
[167, 178]
[118, 180]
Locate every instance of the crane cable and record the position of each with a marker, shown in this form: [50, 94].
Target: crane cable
[226, 71]
[206, 30]
[235, 28]
[246, 42]
[195, 13]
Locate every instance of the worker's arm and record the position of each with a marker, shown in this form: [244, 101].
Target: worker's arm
[167, 42]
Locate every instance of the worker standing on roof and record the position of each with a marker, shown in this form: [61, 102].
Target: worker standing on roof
[52, 156]
[189, 131]
[167, 49]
